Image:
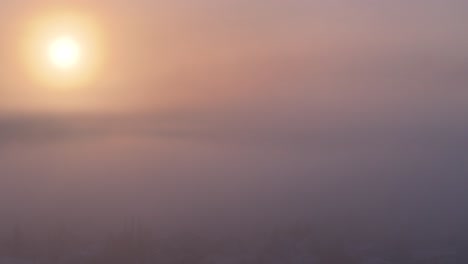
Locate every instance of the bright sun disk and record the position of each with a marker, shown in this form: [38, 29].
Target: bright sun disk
[64, 52]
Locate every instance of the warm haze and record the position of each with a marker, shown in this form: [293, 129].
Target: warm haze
[304, 125]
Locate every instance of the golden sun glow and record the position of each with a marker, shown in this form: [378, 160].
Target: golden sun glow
[65, 52]
[63, 49]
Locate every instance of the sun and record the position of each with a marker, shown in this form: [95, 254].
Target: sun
[64, 52]
[63, 49]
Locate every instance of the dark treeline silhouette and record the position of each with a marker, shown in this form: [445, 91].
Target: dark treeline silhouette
[137, 244]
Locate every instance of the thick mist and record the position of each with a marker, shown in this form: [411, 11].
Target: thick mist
[249, 116]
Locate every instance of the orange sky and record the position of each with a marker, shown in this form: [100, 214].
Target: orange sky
[203, 53]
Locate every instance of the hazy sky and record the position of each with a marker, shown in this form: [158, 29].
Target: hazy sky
[261, 110]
